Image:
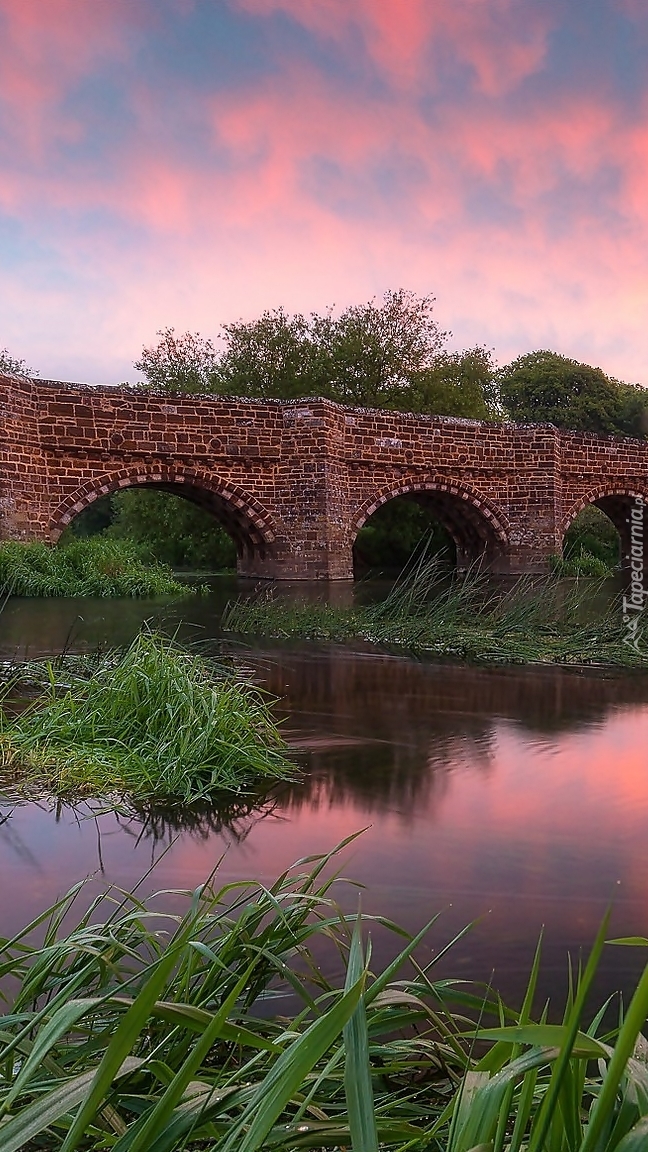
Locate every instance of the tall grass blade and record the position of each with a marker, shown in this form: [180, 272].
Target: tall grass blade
[357, 1068]
[289, 1073]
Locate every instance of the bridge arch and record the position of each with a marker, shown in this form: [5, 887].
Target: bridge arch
[241, 514]
[616, 501]
[479, 530]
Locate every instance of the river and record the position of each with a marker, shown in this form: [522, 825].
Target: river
[518, 797]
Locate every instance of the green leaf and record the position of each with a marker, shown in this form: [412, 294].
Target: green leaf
[62, 1020]
[126, 1033]
[47, 1109]
[357, 1068]
[636, 1140]
[603, 1109]
[546, 1036]
[159, 1116]
[288, 1074]
[572, 1022]
[630, 941]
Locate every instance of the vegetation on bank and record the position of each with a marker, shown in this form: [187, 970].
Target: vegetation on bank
[166, 528]
[93, 567]
[138, 1030]
[463, 619]
[591, 546]
[154, 722]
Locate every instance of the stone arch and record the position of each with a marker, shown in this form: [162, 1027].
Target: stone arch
[241, 514]
[603, 493]
[480, 531]
[616, 501]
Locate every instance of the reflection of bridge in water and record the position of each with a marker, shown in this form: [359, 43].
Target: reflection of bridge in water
[293, 483]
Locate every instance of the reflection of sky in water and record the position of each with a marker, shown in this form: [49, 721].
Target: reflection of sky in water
[518, 795]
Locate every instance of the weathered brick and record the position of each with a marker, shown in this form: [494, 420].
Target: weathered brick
[293, 482]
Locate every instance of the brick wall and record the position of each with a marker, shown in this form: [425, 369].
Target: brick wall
[293, 482]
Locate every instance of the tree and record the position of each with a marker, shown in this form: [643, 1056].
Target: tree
[9, 366]
[545, 387]
[171, 529]
[184, 363]
[372, 353]
[274, 356]
[458, 384]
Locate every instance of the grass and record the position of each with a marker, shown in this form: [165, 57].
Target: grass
[154, 722]
[465, 619]
[141, 1031]
[581, 563]
[97, 566]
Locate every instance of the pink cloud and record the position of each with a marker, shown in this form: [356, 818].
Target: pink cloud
[502, 42]
[307, 192]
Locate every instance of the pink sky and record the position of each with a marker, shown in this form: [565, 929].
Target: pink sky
[189, 162]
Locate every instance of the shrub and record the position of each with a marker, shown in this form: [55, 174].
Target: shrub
[92, 567]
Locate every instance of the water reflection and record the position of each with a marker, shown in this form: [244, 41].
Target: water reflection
[519, 795]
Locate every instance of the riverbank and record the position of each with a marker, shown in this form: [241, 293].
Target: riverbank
[92, 567]
[532, 622]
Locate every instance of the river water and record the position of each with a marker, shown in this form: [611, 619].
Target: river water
[516, 796]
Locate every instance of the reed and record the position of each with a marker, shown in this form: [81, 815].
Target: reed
[96, 566]
[144, 1030]
[141, 1030]
[464, 619]
[155, 722]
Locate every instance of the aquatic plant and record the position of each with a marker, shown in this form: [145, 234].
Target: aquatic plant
[139, 1029]
[97, 566]
[152, 722]
[580, 563]
[145, 1029]
[464, 619]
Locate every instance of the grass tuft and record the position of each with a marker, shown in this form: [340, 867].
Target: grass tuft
[138, 1029]
[97, 566]
[464, 619]
[154, 722]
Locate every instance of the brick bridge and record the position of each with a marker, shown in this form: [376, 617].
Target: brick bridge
[293, 482]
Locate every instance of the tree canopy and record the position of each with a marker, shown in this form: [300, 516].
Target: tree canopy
[545, 387]
[379, 355]
[12, 367]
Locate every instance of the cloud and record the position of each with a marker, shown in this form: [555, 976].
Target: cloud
[356, 146]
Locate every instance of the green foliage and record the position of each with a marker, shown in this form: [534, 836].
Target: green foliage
[380, 355]
[591, 546]
[544, 387]
[178, 363]
[137, 1029]
[153, 722]
[172, 530]
[90, 522]
[393, 534]
[276, 355]
[372, 353]
[131, 1028]
[544, 1088]
[593, 532]
[464, 620]
[457, 384]
[90, 567]
[12, 367]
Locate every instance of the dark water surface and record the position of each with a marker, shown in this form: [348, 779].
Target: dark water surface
[516, 795]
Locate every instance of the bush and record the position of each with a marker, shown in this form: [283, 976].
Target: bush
[154, 722]
[91, 567]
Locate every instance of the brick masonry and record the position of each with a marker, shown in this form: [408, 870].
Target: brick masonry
[294, 481]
